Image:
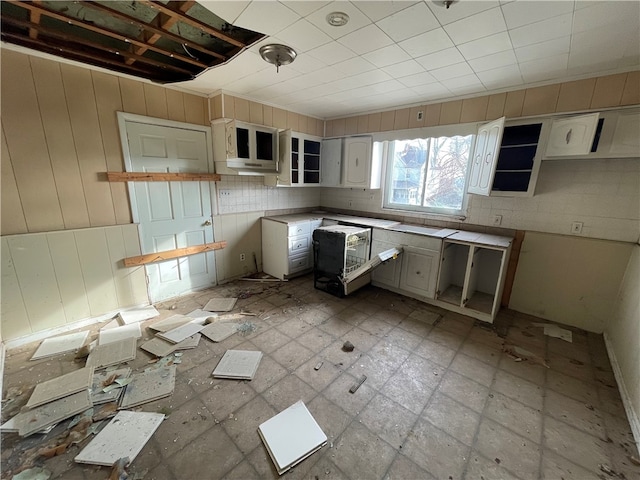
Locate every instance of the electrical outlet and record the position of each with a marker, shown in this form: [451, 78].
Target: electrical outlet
[576, 227]
[225, 193]
[420, 115]
[497, 220]
[350, 203]
[242, 257]
[371, 197]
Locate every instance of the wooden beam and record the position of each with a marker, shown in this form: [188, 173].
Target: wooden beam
[162, 177]
[35, 18]
[169, 254]
[103, 31]
[193, 22]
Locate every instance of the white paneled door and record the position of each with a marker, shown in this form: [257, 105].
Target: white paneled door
[172, 214]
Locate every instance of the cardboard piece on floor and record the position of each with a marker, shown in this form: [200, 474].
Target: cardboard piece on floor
[54, 412]
[555, 331]
[238, 364]
[217, 332]
[112, 353]
[109, 335]
[61, 344]
[200, 316]
[220, 304]
[137, 315]
[124, 436]
[61, 387]
[169, 323]
[179, 334]
[149, 386]
[97, 395]
[291, 436]
[159, 347]
[189, 342]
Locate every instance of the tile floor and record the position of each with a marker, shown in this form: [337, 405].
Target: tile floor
[439, 401]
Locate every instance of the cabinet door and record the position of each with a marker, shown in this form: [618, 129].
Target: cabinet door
[572, 136]
[331, 159]
[626, 136]
[310, 153]
[419, 271]
[388, 273]
[356, 161]
[284, 175]
[485, 157]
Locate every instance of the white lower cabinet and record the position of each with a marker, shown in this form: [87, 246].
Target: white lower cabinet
[419, 271]
[387, 274]
[287, 250]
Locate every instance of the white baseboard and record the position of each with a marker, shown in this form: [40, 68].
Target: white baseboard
[632, 415]
[34, 337]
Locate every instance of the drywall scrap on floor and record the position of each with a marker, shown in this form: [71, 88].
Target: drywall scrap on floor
[220, 304]
[137, 315]
[169, 323]
[61, 387]
[238, 364]
[125, 436]
[109, 334]
[148, 386]
[217, 332]
[189, 343]
[180, 333]
[112, 353]
[159, 347]
[101, 382]
[555, 331]
[291, 436]
[61, 344]
[54, 412]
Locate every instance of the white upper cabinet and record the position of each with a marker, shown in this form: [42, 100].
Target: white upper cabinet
[572, 136]
[331, 160]
[626, 134]
[485, 157]
[356, 162]
[299, 160]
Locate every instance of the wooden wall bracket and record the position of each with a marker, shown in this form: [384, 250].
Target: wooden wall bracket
[169, 254]
[162, 177]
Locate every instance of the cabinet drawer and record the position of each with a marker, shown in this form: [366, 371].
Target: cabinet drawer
[298, 229]
[299, 263]
[298, 245]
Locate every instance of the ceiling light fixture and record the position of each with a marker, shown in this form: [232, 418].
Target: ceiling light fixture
[277, 54]
[445, 3]
[337, 19]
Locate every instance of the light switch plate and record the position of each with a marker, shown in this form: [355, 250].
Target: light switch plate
[497, 220]
[576, 227]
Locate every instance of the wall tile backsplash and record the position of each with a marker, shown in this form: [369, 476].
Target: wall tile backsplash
[239, 194]
[602, 194]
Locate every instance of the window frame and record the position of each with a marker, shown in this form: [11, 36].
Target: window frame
[425, 134]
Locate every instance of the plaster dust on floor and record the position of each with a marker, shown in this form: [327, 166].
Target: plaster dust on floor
[444, 396]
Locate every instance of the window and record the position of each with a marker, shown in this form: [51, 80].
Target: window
[428, 174]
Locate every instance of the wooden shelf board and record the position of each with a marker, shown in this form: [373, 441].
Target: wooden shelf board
[162, 177]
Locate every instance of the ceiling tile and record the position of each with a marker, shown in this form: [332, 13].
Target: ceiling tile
[477, 26]
[302, 8]
[496, 60]
[543, 49]
[517, 14]
[306, 64]
[452, 71]
[409, 22]
[416, 79]
[331, 53]
[404, 69]
[486, 46]
[602, 43]
[460, 10]
[544, 68]
[354, 66]
[614, 14]
[366, 39]
[229, 11]
[266, 17]
[502, 77]
[302, 36]
[357, 19]
[387, 56]
[440, 59]
[432, 90]
[429, 42]
[378, 10]
[470, 80]
[541, 31]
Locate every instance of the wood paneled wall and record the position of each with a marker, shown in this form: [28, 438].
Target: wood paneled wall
[228, 106]
[590, 94]
[58, 278]
[60, 133]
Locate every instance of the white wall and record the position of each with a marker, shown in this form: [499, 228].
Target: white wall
[602, 194]
[623, 340]
[54, 279]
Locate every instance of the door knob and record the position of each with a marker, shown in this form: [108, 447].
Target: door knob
[207, 223]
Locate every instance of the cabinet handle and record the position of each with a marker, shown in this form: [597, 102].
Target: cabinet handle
[568, 137]
[488, 158]
[478, 160]
[356, 161]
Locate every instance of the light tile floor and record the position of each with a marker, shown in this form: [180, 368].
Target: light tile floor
[439, 401]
